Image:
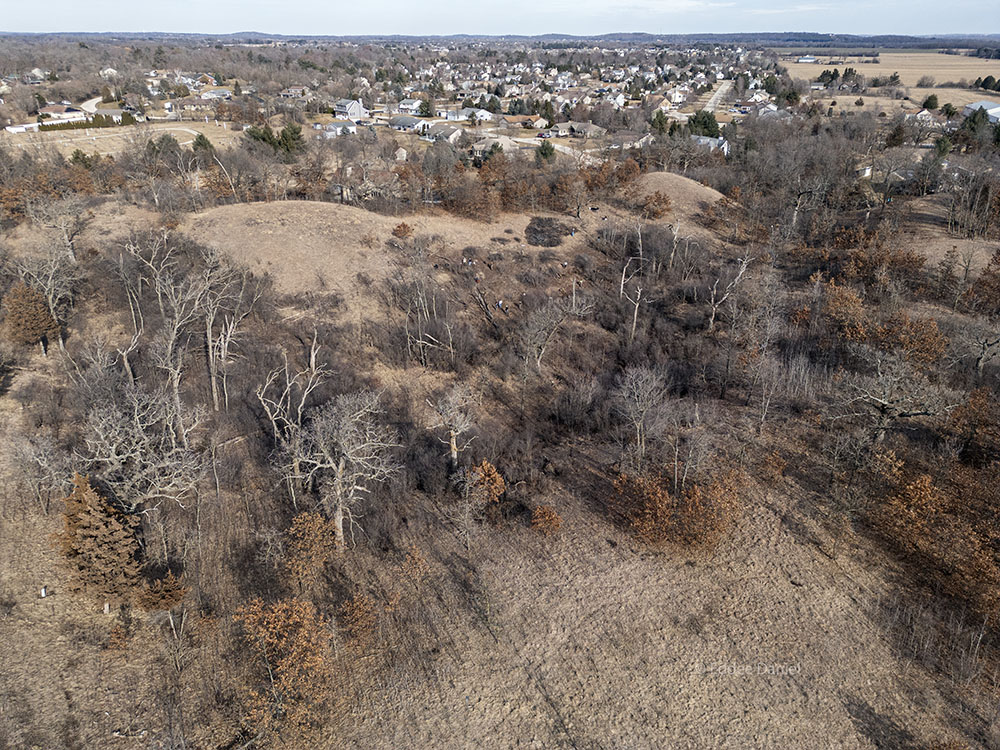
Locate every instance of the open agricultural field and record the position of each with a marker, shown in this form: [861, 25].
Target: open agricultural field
[911, 66]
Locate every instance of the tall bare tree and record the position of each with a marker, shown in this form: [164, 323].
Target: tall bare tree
[453, 410]
[285, 397]
[638, 401]
[345, 449]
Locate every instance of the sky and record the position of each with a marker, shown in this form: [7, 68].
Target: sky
[426, 17]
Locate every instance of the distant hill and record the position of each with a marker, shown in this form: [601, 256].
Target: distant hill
[772, 39]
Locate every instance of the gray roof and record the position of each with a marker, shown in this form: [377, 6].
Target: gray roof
[404, 121]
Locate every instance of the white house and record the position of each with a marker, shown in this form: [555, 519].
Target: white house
[350, 109]
[409, 107]
[467, 113]
[339, 127]
[215, 94]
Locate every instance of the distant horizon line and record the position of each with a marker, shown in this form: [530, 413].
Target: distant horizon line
[832, 35]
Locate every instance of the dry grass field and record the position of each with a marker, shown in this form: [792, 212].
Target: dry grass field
[841, 101]
[113, 140]
[910, 65]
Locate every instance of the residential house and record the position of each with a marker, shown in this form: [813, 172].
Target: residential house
[536, 122]
[350, 109]
[483, 147]
[626, 141]
[712, 144]
[442, 131]
[217, 94]
[466, 114]
[115, 113]
[53, 113]
[294, 92]
[586, 130]
[407, 124]
[409, 107]
[339, 127]
[562, 129]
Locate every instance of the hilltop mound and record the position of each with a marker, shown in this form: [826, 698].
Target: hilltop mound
[687, 197]
[305, 246]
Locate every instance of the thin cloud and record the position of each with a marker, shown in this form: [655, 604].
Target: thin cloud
[789, 9]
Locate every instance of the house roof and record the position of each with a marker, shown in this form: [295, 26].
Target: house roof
[404, 121]
[983, 104]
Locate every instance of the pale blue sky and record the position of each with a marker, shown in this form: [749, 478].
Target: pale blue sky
[421, 17]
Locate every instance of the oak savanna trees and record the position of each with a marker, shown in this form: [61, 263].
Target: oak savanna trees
[637, 371]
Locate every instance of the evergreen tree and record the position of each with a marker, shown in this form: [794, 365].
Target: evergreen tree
[100, 545]
[549, 113]
[27, 316]
[545, 153]
[659, 122]
[703, 122]
[291, 140]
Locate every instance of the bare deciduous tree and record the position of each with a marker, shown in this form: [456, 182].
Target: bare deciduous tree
[638, 401]
[132, 444]
[285, 396]
[716, 298]
[895, 392]
[453, 409]
[345, 449]
[66, 218]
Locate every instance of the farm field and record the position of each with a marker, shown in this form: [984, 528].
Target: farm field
[911, 66]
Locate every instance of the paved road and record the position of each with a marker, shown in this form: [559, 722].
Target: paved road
[718, 96]
[91, 105]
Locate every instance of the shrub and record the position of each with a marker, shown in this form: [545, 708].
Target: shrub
[311, 542]
[359, 619]
[545, 520]
[697, 517]
[655, 205]
[402, 231]
[291, 644]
